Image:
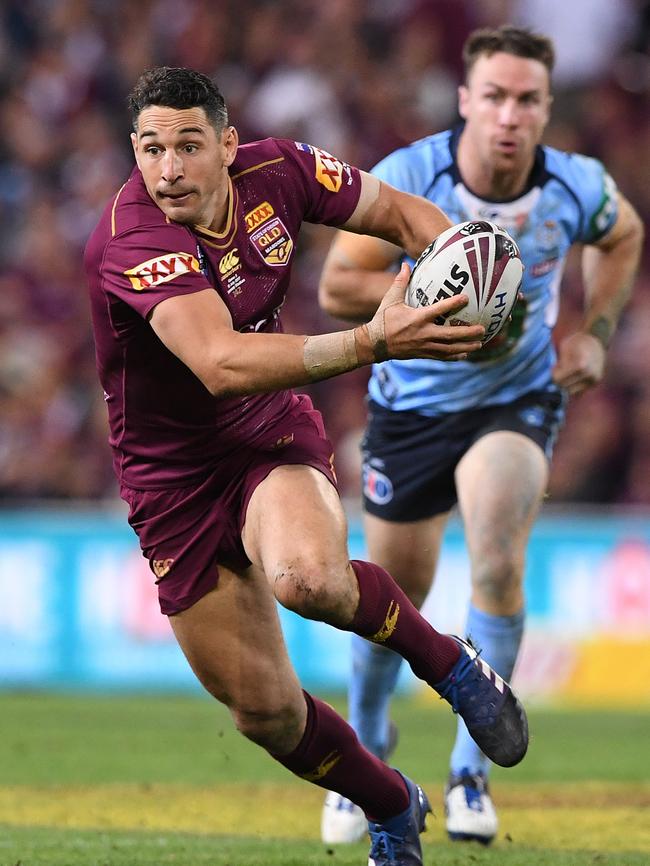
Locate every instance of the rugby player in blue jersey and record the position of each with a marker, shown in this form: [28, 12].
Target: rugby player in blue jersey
[479, 432]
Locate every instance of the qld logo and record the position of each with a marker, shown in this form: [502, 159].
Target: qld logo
[377, 487]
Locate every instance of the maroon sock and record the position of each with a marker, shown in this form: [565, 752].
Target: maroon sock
[331, 756]
[385, 615]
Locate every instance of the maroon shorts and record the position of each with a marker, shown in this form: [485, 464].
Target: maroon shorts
[186, 532]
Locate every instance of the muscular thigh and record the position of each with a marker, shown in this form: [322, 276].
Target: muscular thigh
[233, 641]
[501, 481]
[502, 476]
[295, 512]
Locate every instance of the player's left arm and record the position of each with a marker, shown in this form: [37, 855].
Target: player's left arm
[609, 267]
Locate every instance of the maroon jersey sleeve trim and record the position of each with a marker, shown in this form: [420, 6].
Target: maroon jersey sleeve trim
[258, 166]
[119, 193]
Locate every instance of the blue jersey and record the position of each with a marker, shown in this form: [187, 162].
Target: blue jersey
[569, 198]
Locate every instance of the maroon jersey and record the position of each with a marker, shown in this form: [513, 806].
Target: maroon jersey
[166, 429]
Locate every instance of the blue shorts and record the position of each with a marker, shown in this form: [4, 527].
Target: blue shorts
[409, 460]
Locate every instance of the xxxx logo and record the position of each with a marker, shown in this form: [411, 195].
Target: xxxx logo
[153, 272]
[256, 217]
[329, 170]
[229, 262]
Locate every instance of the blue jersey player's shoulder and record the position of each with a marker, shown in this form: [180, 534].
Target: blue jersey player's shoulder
[414, 168]
[591, 185]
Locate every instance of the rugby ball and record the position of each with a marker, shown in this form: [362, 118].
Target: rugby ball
[477, 258]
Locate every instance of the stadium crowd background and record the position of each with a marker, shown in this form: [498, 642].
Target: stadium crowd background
[358, 78]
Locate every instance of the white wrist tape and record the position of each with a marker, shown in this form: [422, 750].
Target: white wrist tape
[326, 355]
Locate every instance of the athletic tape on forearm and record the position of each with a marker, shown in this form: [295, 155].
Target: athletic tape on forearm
[326, 355]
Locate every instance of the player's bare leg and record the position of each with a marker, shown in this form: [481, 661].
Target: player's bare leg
[409, 552]
[233, 641]
[500, 482]
[499, 512]
[295, 531]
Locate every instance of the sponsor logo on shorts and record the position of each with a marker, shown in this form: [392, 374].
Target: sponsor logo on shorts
[258, 215]
[153, 272]
[283, 441]
[161, 568]
[332, 469]
[273, 242]
[329, 170]
[377, 487]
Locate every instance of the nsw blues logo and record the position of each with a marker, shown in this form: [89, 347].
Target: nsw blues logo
[377, 487]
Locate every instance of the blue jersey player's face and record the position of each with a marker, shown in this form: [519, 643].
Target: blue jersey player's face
[505, 103]
[184, 162]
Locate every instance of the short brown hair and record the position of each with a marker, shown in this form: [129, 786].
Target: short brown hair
[177, 87]
[509, 40]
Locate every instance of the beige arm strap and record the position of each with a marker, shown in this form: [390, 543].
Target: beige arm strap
[326, 355]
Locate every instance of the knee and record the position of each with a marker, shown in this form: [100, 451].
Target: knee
[498, 578]
[314, 588]
[275, 727]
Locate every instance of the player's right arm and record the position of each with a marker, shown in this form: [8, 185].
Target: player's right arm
[355, 275]
[197, 328]
[389, 223]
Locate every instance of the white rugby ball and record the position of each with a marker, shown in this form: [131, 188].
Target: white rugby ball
[477, 258]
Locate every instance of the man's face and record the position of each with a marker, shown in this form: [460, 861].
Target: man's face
[184, 162]
[506, 104]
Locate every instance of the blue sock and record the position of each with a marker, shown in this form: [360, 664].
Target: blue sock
[498, 638]
[374, 676]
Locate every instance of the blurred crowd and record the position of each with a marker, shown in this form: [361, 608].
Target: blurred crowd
[357, 78]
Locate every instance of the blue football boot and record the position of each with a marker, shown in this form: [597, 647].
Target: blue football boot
[396, 842]
[494, 717]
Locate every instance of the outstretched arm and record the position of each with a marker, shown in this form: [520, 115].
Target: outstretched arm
[197, 328]
[609, 268]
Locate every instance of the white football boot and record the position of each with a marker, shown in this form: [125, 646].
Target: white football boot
[342, 822]
[469, 809]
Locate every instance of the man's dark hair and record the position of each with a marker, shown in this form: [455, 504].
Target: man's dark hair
[175, 87]
[509, 40]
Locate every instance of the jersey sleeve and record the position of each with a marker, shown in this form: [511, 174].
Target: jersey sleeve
[331, 187]
[596, 192]
[146, 265]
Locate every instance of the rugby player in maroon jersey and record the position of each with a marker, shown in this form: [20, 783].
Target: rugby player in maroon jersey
[227, 473]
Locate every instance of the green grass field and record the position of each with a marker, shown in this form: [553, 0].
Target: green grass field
[129, 781]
